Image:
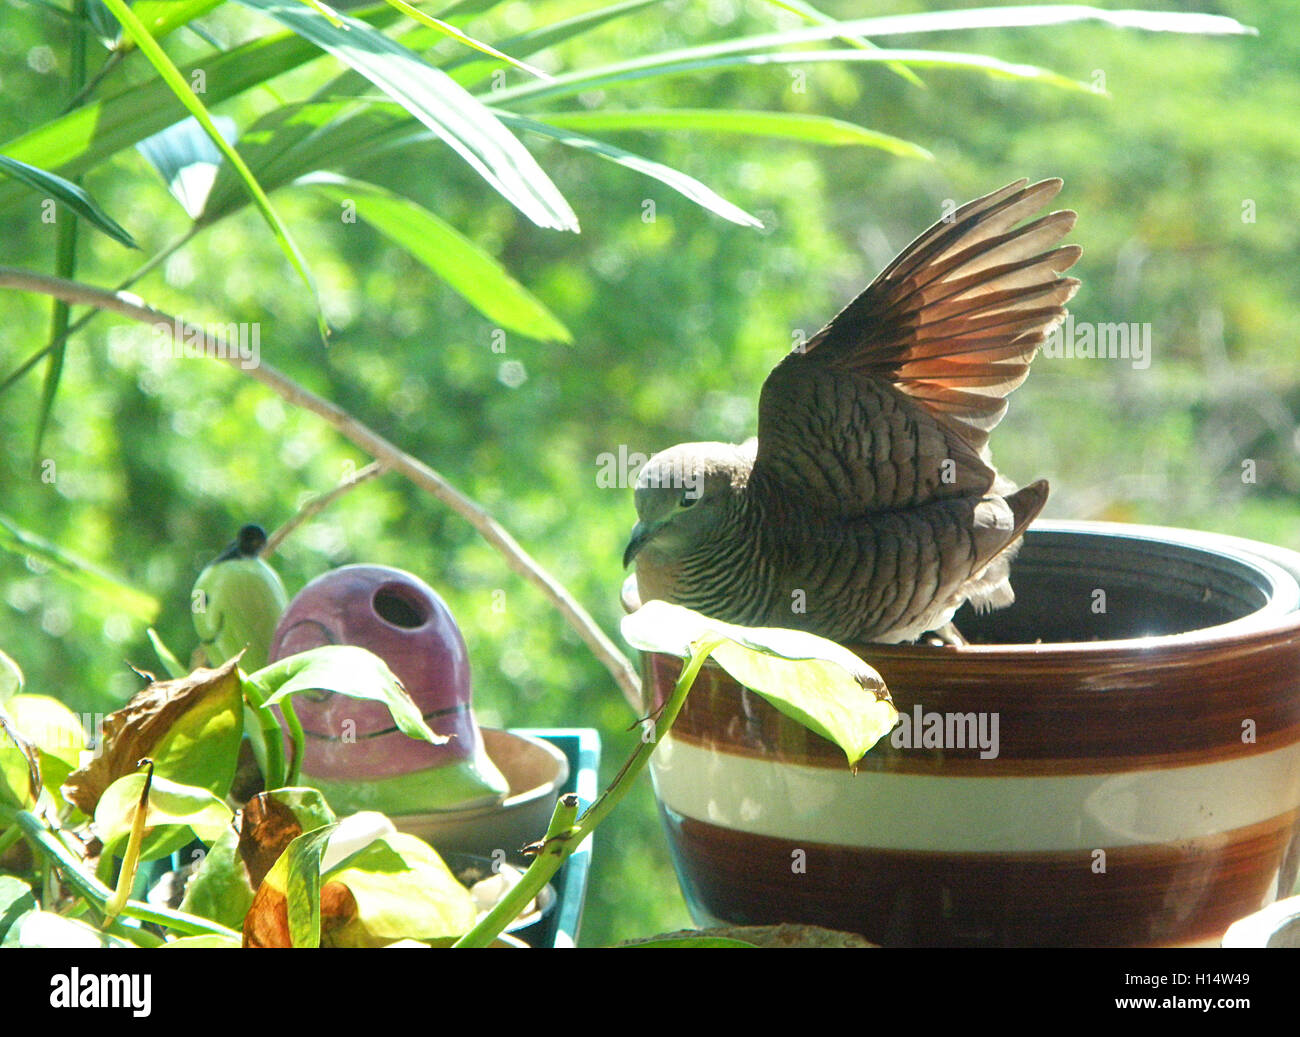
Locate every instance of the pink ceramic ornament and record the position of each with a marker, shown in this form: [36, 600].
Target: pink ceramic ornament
[403, 621]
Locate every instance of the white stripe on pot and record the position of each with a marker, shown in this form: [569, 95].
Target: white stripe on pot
[981, 815]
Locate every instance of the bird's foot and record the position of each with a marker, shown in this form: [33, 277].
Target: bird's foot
[948, 634]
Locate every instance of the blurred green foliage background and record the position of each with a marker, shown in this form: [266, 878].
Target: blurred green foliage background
[1184, 180]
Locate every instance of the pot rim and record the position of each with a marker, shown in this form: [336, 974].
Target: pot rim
[1280, 566]
[1264, 621]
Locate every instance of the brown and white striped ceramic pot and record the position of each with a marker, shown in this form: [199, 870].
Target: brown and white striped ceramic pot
[1118, 763]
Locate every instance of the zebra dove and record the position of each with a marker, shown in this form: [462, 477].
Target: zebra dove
[869, 509]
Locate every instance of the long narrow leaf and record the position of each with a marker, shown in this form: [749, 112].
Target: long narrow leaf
[302, 138]
[891, 25]
[85, 574]
[468, 270]
[468, 71]
[685, 185]
[808, 13]
[70, 195]
[658, 65]
[810, 129]
[464, 38]
[187, 161]
[172, 77]
[161, 17]
[440, 103]
[84, 137]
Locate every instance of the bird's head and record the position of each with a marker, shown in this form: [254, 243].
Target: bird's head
[682, 493]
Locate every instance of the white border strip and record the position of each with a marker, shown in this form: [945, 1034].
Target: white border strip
[975, 815]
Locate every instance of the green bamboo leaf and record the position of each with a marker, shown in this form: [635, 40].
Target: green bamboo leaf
[685, 185]
[161, 17]
[810, 129]
[1023, 17]
[344, 670]
[698, 60]
[287, 142]
[469, 70]
[447, 29]
[468, 270]
[71, 195]
[84, 137]
[725, 52]
[172, 77]
[815, 682]
[809, 13]
[441, 104]
[187, 160]
[86, 575]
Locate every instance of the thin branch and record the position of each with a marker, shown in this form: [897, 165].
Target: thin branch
[318, 504]
[372, 443]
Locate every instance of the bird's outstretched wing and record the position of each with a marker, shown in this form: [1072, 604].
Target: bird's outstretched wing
[891, 404]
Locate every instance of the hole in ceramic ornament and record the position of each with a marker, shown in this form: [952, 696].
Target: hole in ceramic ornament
[400, 607]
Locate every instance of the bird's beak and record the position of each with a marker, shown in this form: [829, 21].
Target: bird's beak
[641, 532]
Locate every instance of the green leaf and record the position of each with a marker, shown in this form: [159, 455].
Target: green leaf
[175, 670]
[699, 60]
[440, 103]
[45, 929]
[161, 17]
[16, 900]
[297, 872]
[816, 682]
[209, 942]
[403, 889]
[90, 577]
[177, 815]
[220, 889]
[726, 52]
[469, 70]
[446, 29]
[69, 194]
[345, 670]
[55, 731]
[15, 777]
[187, 160]
[809, 129]
[685, 185]
[468, 270]
[11, 678]
[171, 75]
[85, 136]
[809, 13]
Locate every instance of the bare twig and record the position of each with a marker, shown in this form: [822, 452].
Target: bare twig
[318, 504]
[372, 443]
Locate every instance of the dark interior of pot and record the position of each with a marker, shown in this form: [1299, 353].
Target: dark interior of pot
[1073, 586]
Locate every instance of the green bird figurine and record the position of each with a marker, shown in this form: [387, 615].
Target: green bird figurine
[237, 601]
